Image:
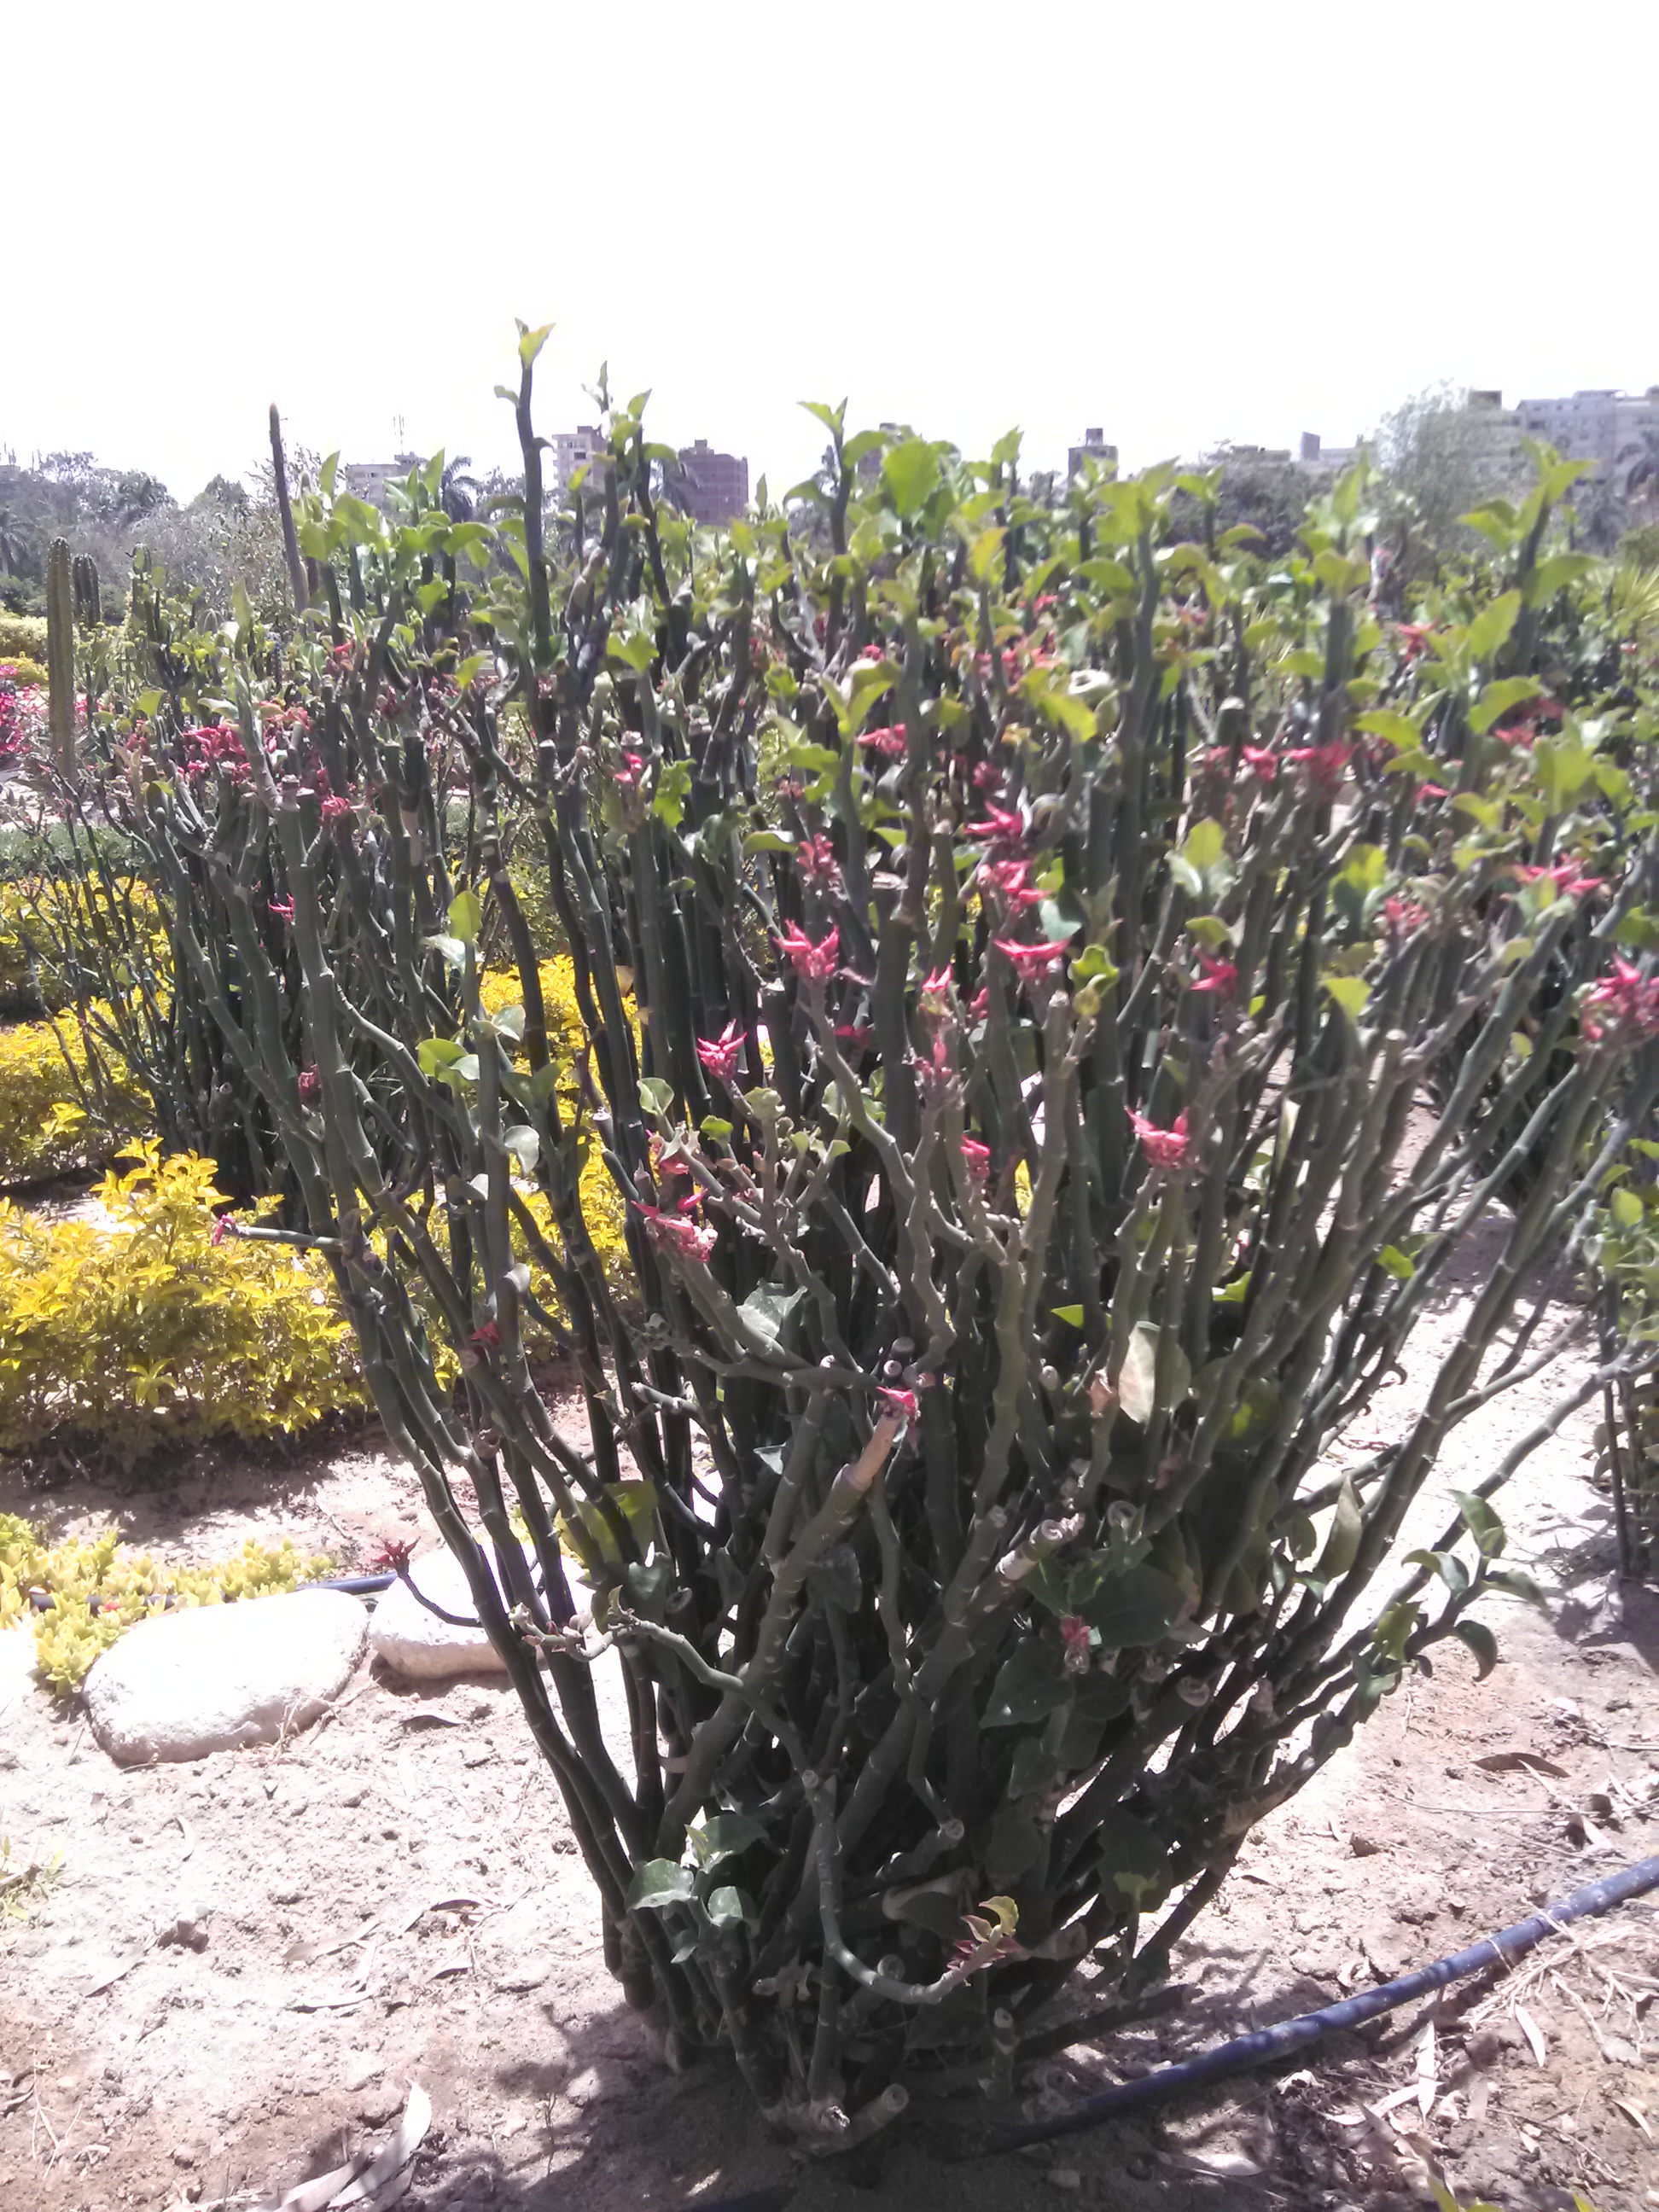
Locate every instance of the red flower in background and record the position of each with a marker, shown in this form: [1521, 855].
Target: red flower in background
[1326, 765]
[310, 1084]
[1030, 961]
[889, 743]
[1220, 976]
[1165, 1148]
[722, 1055]
[815, 963]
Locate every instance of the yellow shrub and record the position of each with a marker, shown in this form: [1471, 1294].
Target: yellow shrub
[100, 1588]
[144, 1332]
[602, 1204]
[22, 636]
[48, 1121]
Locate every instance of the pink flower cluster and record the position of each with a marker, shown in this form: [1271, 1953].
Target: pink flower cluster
[1623, 1008]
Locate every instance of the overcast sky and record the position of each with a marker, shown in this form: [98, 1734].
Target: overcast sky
[1183, 223]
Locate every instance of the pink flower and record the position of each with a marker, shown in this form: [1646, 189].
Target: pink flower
[1165, 1148]
[628, 775]
[1220, 976]
[814, 964]
[1030, 961]
[1012, 879]
[1404, 914]
[487, 1337]
[976, 1159]
[224, 1225]
[1567, 876]
[816, 857]
[310, 1084]
[1632, 1002]
[1326, 764]
[1076, 1633]
[935, 991]
[392, 1552]
[889, 743]
[855, 1034]
[1516, 734]
[721, 1056]
[334, 805]
[282, 909]
[902, 1402]
[1000, 825]
[678, 1232]
[1427, 791]
[987, 777]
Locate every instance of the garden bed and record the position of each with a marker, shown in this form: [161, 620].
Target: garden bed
[440, 1855]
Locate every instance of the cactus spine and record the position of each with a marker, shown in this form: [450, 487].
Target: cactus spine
[60, 656]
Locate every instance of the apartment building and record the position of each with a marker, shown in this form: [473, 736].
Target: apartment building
[709, 487]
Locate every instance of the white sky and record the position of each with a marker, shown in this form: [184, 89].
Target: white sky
[1183, 223]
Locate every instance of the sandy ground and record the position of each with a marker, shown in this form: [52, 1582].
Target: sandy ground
[395, 1895]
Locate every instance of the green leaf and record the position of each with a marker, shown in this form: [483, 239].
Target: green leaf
[724, 1837]
[1205, 843]
[1482, 1523]
[1492, 625]
[1627, 1209]
[1134, 1609]
[523, 1143]
[656, 1094]
[911, 472]
[465, 917]
[1031, 1684]
[1072, 1316]
[767, 1309]
[436, 1052]
[1128, 1854]
[729, 1908]
[1498, 698]
[531, 342]
[1396, 1262]
[1342, 1545]
[1480, 1640]
[1517, 1584]
[1394, 729]
[450, 949]
[660, 1883]
[1350, 993]
[1137, 1382]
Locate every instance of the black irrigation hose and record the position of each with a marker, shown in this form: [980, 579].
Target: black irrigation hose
[1270, 2043]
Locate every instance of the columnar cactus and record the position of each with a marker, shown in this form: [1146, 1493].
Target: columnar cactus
[1052, 1029]
[89, 603]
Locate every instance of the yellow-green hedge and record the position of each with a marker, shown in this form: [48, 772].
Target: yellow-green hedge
[46, 1126]
[22, 637]
[100, 1588]
[143, 1333]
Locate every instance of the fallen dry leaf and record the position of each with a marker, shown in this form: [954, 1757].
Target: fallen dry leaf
[1505, 1762]
[1427, 2070]
[1535, 2035]
[1634, 2113]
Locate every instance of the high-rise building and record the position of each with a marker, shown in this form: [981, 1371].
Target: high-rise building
[585, 447]
[1093, 448]
[1331, 458]
[367, 480]
[709, 487]
[1617, 432]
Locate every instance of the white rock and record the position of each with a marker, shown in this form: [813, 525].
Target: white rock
[416, 1643]
[214, 1677]
[17, 1656]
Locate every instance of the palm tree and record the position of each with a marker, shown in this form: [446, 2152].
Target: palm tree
[457, 490]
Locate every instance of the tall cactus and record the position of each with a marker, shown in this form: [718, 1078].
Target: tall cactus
[296, 574]
[60, 655]
[88, 595]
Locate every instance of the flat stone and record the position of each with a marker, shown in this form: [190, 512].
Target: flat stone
[417, 1643]
[17, 1657]
[216, 1677]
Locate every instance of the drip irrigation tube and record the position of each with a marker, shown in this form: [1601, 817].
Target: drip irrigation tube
[1309, 2027]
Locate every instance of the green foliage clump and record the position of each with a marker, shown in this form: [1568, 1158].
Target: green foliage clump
[99, 1587]
[50, 1122]
[23, 637]
[153, 1328]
